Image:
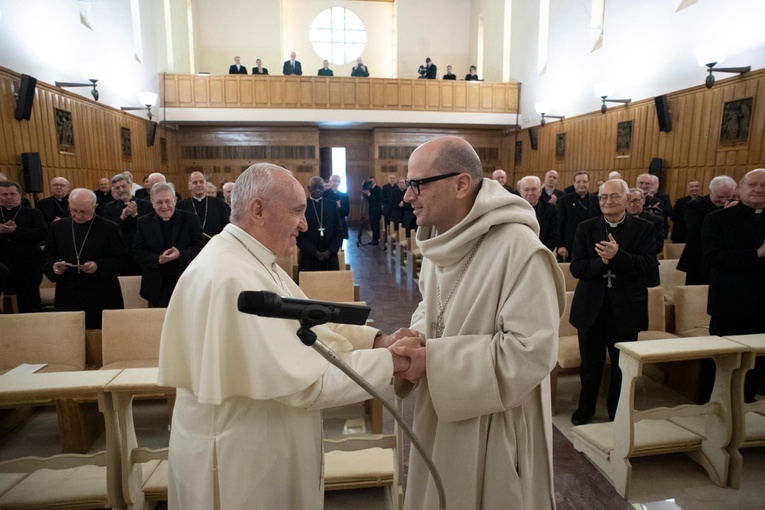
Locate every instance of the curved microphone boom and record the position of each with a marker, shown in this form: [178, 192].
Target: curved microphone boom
[312, 313]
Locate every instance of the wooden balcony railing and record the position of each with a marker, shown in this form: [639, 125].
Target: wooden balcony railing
[318, 92]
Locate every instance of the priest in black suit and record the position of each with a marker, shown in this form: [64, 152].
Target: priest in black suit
[574, 208]
[612, 257]
[259, 69]
[547, 214]
[449, 74]
[325, 70]
[549, 191]
[431, 69]
[360, 70]
[679, 228]
[103, 195]
[22, 230]
[342, 200]
[83, 256]
[691, 261]
[125, 211]
[389, 196]
[635, 209]
[213, 213]
[237, 67]
[292, 66]
[166, 242]
[733, 241]
[323, 238]
[56, 206]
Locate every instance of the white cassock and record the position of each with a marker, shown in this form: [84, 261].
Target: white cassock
[483, 410]
[246, 426]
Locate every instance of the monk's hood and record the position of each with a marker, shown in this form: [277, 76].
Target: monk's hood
[493, 206]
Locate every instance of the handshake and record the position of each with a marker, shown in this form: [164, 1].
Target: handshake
[407, 347]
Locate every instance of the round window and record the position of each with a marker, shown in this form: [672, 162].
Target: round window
[338, 35]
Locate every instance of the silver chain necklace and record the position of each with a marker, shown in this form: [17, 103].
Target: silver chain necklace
[14, 216]
[321, 221]
[77, 252]
[207, 202]
[439, 324]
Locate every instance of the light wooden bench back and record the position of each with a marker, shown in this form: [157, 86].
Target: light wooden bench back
[131, 292]
[55, 338]
[130, 338]
[328, 285]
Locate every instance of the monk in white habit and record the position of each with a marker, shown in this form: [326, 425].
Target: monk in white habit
[488, 323]
[247, 430]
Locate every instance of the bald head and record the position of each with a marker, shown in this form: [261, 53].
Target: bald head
[155, 178]
[500, 176]
[452, 154]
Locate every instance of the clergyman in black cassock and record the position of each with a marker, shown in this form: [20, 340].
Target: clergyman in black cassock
[323, 238]
[57, 205]
[125, 211]
[94, 246]
[574, 208]
[212, 212]
[22, 230]
[611, 299]
[342, 200]
[166, 242]
[733, 243]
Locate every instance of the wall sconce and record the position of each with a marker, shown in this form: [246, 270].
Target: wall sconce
[603, 90]
[542, 109]
[89, 72]
[148, 99]
[711, 55]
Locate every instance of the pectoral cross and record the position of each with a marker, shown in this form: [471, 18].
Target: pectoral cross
[438, 326]
[321, 231]
[78, 265]
[610, 276]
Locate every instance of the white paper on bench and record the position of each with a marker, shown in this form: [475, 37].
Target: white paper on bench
[26, 368]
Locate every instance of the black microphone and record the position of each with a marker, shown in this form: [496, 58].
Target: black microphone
[269, 304]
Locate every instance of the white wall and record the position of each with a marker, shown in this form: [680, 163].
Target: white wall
[45, 39]
[648, 49]
[377, 17]
[493, 13]
[248, 28]
[439, 29]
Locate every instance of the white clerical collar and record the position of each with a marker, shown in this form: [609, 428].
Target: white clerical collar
[549, 191]
[614, 225]
[317, 200]
[199, 199]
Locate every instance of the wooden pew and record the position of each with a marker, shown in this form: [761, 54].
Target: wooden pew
[663, 430]
[65, 480]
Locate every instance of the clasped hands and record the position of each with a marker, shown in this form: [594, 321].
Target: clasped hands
[607, 250]
[407, 347]
[9, 227]
[169, 255]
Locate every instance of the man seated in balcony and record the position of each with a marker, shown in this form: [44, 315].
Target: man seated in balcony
[259, 69]
[472, 75]
[360, 70]
[449, 74]
[237, 67]
[292, 66]
[326, 71]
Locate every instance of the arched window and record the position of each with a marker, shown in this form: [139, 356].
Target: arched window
[338, 35]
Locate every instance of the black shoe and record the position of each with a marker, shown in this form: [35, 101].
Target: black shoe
[579, 418]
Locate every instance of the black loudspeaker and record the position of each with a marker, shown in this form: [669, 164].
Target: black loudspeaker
[33, 177]
[657, 168]
[663, 113]
[151, 132]
[533, 139]
[26, 97]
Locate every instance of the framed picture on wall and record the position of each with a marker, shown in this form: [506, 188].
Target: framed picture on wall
[518, 152]
[624, 138]
[127, 147]
[734, 128]
[560, 146]
[64, 131]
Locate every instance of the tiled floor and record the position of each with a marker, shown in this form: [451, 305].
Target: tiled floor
[658, 483]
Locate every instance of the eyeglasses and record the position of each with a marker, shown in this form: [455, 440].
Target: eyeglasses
[416, 183]
[613, 197]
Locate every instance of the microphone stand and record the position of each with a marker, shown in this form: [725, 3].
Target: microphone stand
[309, 338]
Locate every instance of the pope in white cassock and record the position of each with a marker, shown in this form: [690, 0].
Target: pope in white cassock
[492, 299]
[246, 428]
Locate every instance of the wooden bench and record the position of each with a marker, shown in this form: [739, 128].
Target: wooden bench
[65, 480]
[748, 419]
[663, 430]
